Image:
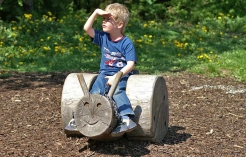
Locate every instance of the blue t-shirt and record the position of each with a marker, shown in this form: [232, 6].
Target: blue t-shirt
[115, 54]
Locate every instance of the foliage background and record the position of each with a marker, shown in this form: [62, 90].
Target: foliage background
[203, 36]
[167, 10]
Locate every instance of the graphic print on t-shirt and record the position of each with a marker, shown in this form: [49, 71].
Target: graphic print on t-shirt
[113, 59]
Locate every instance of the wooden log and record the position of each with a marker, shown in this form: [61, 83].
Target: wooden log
[72, 94]
[147, 94]
[149, 99]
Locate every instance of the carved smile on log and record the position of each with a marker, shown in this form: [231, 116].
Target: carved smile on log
[93, 118]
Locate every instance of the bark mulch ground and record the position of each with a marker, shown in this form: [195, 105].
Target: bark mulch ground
[207, 118]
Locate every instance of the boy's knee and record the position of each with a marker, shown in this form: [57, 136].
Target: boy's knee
[96, 91]
[118, 91]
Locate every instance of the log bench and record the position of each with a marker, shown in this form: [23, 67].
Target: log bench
[94, 115]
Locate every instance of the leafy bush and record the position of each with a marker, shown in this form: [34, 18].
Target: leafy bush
[200, 10]
[45, 43]
[11, 9]
[172, 11]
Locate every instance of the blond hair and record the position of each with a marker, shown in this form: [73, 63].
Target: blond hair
[120, 13]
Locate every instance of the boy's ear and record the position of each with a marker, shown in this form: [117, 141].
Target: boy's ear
[120, 24]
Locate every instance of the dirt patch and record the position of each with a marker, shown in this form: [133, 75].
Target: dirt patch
[206, 119]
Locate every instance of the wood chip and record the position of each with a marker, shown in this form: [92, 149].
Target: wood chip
[238, 146]
[210, 132]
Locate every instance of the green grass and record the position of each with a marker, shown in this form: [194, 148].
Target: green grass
[227, 64]
[215, 48]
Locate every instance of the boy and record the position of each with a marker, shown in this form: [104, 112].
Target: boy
[118, 54]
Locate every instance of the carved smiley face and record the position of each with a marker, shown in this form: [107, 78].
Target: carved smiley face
[93, 115]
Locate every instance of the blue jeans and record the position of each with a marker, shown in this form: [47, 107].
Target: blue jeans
[120, 97]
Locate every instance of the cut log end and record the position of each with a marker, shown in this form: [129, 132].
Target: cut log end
[94, 115]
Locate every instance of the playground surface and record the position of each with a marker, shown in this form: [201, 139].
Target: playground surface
[207, 117]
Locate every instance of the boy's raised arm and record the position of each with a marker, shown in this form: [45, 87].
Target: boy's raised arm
[89, 23]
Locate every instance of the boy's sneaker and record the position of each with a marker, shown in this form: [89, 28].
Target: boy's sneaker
[71, 127]
[126, 125]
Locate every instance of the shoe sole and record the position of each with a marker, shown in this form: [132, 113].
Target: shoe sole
[122, 133]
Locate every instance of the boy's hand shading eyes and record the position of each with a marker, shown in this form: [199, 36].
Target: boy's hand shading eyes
[103, 13]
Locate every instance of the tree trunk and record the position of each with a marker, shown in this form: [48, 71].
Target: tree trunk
[28, 5]
[1, 2]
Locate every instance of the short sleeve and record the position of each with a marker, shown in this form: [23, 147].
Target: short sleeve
[97, 38]
[130, 52]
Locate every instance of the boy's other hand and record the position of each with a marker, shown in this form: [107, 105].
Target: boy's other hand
[110, 80]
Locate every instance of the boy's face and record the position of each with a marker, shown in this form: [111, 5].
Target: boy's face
[110, 25]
